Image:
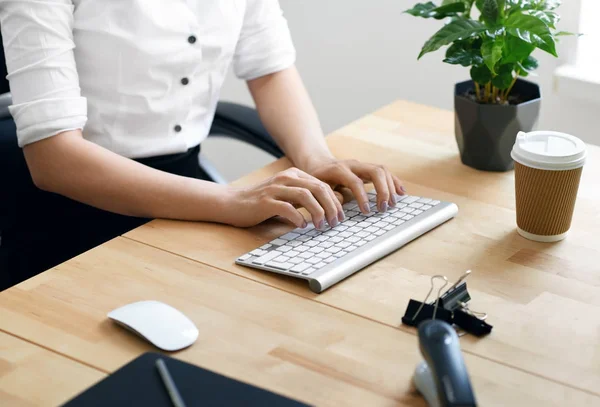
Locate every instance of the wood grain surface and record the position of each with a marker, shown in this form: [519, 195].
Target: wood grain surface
[33, 376]
[248, 330]
[543, 299]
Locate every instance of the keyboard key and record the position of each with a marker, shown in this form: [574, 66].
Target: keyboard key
[306, 255]
[341, 253]
[351, 248]
[410, 199]
[265, 246]
[349, 206]
[316, 249]
[278, 242]
[323, 255]
[381, 224]
[258, 252]
[330, 259]
[369, 238]
[372, 229]
[393, 210]
[325, 245]
[416, 205]
[381, 232]
[313, 260]
[303, 238]
[280, 266]
[350, 223]
[330, 233]
[417, 212]
[340, 228]
[354, 229]
[359, 218]
[292, 253]
[302, 248]
[296, 260]
[360, 243]
[281, 259]
[343, 245]
[424, 200]
[408, 217]
[351, 214]
[335, 239]
[363, 225]
[245, 257]
[302, 231]
[363, 234]
[372, 219]
[399, 222]
[353, 239]
[434, 203]
[313, 233]
[294, 243]
[372, 198]
[283, 249]
[311, 243]
[319, 265]
[389, 219]
[390, 227]
[267, 257]
[426, 207]
[385, 215]
[408, 209]
[299, 268]
[309, 271]
[321, 238]
[333, 249]
[342, 235]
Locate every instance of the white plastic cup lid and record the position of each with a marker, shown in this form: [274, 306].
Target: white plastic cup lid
[549, 150]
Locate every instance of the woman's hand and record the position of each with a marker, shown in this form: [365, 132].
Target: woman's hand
[353, 175]
[280, 195]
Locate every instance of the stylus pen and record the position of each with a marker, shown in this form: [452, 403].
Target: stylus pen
[169, 383]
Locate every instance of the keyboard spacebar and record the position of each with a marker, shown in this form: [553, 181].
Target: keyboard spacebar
[266, 258]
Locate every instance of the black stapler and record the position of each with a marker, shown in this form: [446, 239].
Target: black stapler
[442, 377]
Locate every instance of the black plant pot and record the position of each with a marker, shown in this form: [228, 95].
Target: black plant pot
[486, 133]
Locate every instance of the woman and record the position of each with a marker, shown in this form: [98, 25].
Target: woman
[112, 99]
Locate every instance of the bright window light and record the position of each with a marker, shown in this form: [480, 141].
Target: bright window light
[588, 54]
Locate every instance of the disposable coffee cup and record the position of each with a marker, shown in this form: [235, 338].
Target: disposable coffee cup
[548, 167]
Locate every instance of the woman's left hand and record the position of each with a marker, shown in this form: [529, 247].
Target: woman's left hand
[353, 175]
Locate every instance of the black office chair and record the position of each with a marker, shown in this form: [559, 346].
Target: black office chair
[231, 120]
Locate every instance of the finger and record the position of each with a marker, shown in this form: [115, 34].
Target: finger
[347, 178]
[377, 176]
[324, 195]
[339, 211]
[391, 188]
[400, 190]
[287, 211]
[305, 198]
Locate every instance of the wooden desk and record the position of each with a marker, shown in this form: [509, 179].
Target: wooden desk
[248, 330]
[347, 346]
[543, 299]
[31, 375]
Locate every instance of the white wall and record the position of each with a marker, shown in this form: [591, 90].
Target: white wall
[357, 55]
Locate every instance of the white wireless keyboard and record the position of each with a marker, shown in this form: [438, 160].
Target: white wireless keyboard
[328, 256]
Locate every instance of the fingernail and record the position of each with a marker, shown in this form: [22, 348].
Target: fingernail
[366, 208]
[393, 200]
[383, 207]
[333, 222]
[341, 216]
[304, 225]
[321, 224]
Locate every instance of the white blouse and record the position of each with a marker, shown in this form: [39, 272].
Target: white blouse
[140, 77]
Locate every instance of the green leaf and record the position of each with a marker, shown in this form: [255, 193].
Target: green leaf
[504, 78]
[529, 64]
[490, 11]
[549, 17]
[550, 4]
[491, 50]
[457, 29]
[565, 33]
[531, 30]
[462, 53]
[430, 10]
[515, 49]
[481, 74]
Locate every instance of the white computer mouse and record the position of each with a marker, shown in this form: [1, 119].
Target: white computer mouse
[160, 324]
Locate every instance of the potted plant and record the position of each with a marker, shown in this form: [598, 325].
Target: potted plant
[495, 38]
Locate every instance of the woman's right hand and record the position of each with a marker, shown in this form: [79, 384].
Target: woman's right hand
[281, 195]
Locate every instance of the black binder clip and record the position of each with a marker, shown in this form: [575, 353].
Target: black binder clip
[450, 307]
